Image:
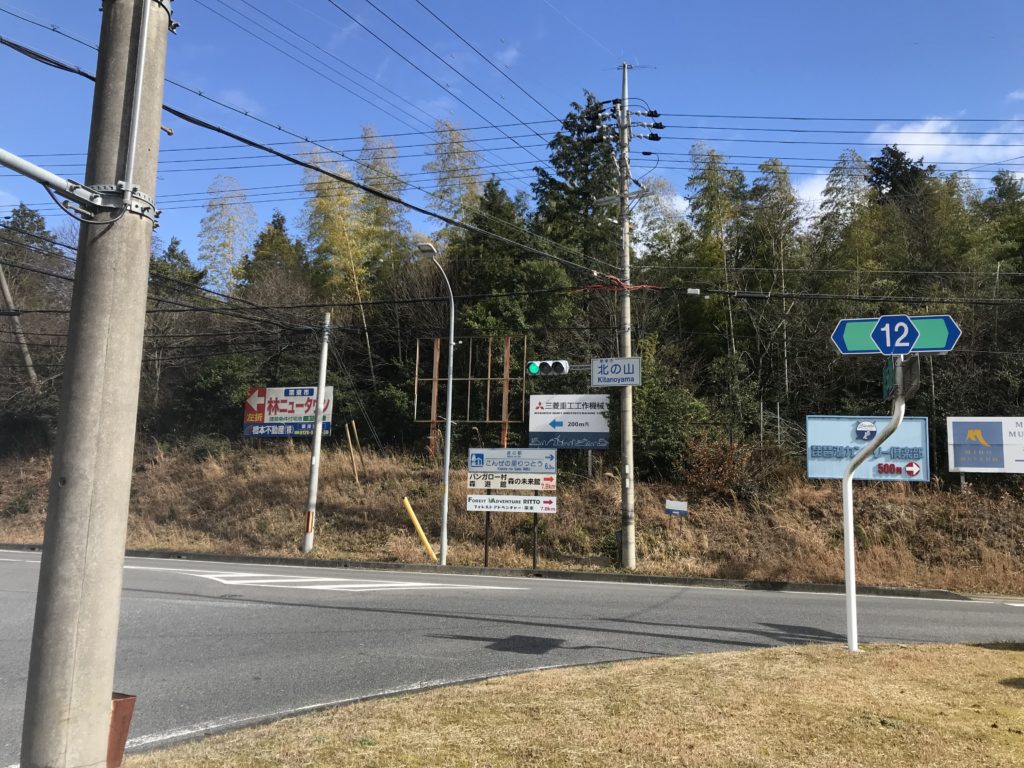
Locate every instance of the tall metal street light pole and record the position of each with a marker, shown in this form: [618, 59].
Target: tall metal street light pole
[428, 249]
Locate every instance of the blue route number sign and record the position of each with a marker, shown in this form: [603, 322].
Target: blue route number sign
[895, 334]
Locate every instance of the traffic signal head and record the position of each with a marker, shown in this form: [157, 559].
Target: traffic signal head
[547, 367]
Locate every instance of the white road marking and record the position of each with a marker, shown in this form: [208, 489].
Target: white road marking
[597, 581]
[230, 723]
[324, 583]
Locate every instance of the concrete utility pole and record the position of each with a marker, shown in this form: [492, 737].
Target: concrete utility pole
[627, 555]
[318, 431]
[71, 671]
[16, 322]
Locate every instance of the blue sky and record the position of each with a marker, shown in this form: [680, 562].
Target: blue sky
[943, 79]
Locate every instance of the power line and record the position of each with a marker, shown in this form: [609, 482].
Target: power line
[842, 119]
[50, 61]
[420, 69]
[494, 66]
[457, 71]
[312, 69]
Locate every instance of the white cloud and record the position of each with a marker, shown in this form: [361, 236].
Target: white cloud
[1017, 95]
[679, 204]
[507, 56]
[442, 105]
[810, 190]
[382, 68]
[937, 141]
[340, 37]
[239, 99]
[7, 200]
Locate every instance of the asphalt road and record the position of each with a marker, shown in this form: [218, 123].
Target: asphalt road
[209, 646]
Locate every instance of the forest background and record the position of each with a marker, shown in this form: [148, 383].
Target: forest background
[730, 370]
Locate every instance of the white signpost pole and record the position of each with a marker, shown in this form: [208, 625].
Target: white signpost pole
[898, 409]
[318, 429]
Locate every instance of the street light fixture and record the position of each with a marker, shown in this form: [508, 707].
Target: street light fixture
[428, 250]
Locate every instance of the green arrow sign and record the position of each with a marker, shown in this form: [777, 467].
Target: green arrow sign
[939, 333]
[935, 333]
[853, 337]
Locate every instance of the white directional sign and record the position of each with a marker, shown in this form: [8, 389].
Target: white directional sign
[676, 508]
[285, 411]
[569, 421]
[615, 372]
[519, 460]
[542, 504]
[511, 481]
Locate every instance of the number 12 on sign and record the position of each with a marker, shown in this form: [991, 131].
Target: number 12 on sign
[894, 334]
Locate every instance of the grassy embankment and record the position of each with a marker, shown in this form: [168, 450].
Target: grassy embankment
[244, 499]
[810, 706]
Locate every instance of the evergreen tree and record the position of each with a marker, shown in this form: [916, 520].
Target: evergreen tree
[490, 266]
[583, 171]
[278, 266]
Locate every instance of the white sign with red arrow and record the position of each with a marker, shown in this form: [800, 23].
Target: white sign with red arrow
[511, 481]
[542, 504]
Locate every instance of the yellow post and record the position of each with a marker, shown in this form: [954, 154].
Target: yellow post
[416, 523]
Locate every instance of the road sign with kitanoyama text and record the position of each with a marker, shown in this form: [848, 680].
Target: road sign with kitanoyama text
[615, 372]
[284, 412]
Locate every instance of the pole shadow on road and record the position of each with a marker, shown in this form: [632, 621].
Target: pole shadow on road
[769, 635]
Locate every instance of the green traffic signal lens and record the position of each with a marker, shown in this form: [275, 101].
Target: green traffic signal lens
[533, 368]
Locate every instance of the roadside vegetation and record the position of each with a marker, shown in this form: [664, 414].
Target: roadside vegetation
[243, 498]
[808, 706]
[733, 301]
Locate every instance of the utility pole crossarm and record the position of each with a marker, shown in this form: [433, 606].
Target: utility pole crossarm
[86, 200]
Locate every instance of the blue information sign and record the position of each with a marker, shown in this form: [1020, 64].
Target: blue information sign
[833, 441]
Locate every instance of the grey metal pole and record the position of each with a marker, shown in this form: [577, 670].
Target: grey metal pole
[447, 414]
[849, 548]
[5, 291]
[628, 553]
[71, 668]
[318, 430]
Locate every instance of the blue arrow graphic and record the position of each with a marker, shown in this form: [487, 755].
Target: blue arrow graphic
[551, 457]
[554, 424]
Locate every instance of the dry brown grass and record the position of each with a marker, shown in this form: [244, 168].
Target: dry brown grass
[811, 706]
[250, 499]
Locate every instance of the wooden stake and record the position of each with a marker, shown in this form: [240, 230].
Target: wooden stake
[352, 454]
[359, 446]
